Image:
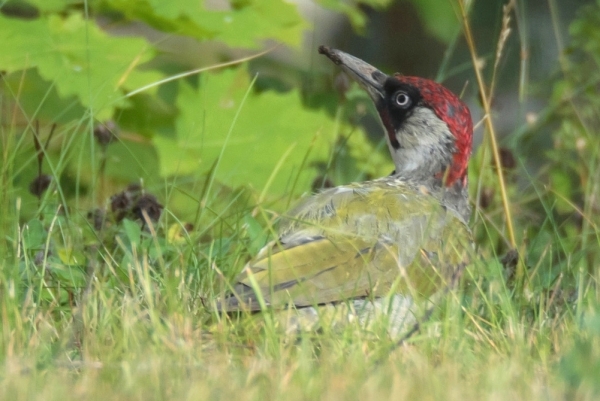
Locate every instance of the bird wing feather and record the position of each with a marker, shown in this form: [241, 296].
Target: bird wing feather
[351, 242]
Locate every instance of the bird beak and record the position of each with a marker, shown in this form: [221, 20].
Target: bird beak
[367, 76]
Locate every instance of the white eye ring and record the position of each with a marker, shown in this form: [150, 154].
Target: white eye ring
[401, 99]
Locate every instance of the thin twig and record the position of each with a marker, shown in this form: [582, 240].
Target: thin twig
[490, 126]
[199, 70]
[504, 34]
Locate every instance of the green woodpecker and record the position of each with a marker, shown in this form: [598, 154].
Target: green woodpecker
[383, 247]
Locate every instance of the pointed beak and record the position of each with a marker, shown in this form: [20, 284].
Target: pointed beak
[369, 77]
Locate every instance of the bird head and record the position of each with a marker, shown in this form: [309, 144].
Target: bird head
[428, 128]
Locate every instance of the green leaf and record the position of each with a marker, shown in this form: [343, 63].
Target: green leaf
[271, 128]
[561, 181]
[39, 98]
[53, 5]
[34, 235]
[66, 269]
[78, 58]
[133, 232]
[369, 159]
[255, 232]
[352, 10]
[439, 18]
[247, 26]
[175, 157]
[239, 24]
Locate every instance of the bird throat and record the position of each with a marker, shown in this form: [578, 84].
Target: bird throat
[423, 148]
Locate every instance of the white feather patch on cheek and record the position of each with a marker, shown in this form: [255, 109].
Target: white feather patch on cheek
[426, 143]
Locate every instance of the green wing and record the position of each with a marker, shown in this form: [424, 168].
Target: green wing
[352, 242]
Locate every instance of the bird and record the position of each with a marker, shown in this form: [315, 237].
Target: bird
[386, 247]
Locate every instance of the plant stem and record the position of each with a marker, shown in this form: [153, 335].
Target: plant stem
[485, 101]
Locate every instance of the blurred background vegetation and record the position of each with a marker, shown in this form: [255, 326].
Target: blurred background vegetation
[151, 125]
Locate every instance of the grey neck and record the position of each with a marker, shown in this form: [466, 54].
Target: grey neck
[455, 197]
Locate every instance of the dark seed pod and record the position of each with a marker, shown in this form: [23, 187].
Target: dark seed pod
[509, 262]
[147, 203]
[486, 198]
[507, 159]
[120, 205]
[39, 185]
[134, 190]
[322, 182]
[106, 132]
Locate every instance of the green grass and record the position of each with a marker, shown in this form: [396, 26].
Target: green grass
[136, 328]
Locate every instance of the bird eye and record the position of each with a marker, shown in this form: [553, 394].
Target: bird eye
[401, 99]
